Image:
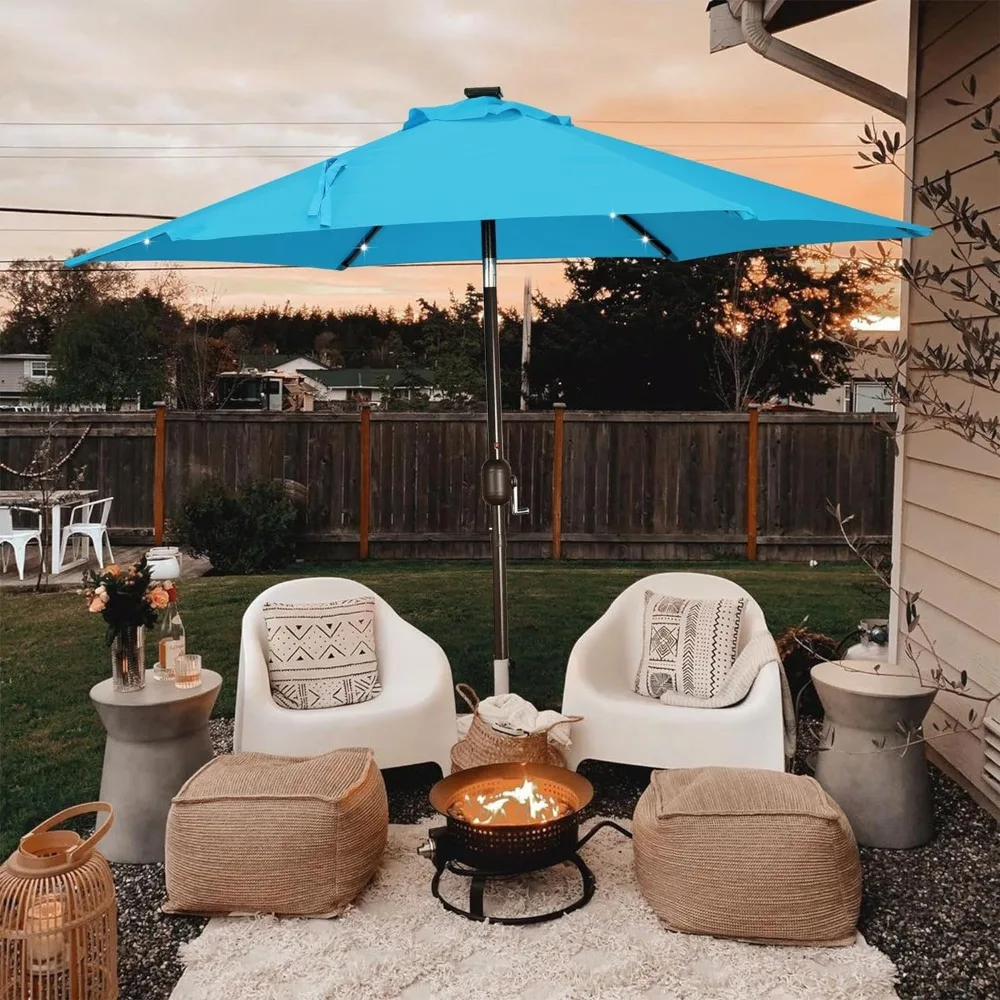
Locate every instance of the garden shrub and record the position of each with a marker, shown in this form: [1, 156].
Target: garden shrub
[800, 650]
[247, 530]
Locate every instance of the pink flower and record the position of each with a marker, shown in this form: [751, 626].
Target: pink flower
[112, 570]
[97, 605]
[158, 598]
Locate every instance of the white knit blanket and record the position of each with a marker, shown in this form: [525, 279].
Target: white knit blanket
[755, 655]
[514, 716]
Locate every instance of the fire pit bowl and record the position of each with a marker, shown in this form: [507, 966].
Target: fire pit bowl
[505, 820]
[507, 838]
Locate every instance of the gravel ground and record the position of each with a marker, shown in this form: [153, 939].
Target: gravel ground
[935, 911]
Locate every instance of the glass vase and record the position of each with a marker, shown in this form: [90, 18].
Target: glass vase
[128, 659]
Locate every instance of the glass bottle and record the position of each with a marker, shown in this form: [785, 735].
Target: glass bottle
[172, 641]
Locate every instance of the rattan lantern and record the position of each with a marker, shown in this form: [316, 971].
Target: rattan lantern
[58, 936]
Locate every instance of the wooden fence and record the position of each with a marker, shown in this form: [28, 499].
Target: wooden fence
[597, 485]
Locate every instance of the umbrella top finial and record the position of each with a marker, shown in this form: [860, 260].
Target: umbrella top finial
[484, 104]
[496, 92]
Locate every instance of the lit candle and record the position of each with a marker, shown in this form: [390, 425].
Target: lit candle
[42, 925]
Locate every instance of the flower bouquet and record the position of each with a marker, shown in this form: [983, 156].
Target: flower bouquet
[129, 603]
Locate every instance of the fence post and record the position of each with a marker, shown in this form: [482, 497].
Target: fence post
[159, 471]
[365, 485]
[558, 413]
[753, 454]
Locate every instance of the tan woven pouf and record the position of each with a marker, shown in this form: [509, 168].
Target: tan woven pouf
[755, 855]
[255, 833]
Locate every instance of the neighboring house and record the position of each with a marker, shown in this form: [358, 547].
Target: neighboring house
[868, 391]
[946, 529]
[860, 395]
[17, 373]
[369, 385]
[279, 363]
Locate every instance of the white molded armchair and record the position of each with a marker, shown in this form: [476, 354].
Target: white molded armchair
[18, 538]
[412, 721]
[90, 520]
[628, 728]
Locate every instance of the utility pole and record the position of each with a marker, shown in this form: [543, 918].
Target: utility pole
[525, 343]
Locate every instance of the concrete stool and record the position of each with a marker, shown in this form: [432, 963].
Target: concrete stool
[885, 793]
[157, 738]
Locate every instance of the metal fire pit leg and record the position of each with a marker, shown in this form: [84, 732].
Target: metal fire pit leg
[477, 887]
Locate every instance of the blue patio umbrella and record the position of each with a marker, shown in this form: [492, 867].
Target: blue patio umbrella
[488, 179]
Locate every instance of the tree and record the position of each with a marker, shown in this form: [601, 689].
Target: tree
[726, 330]
[201, 350]
[113, 350]
[950, 386]
[451, 345]
[41, 294]
[325, 349]
[43, 474]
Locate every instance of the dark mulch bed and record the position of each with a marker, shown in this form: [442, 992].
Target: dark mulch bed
[935, 911]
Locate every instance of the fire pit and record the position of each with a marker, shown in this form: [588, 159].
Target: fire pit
[504, 820]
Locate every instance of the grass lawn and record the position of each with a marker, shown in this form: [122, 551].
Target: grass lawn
[52, 652]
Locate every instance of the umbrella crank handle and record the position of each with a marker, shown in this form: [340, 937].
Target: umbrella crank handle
[515, 507]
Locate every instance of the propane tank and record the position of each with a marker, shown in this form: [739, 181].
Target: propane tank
[873, 644]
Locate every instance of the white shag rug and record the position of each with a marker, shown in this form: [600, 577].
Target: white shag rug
[399, 943]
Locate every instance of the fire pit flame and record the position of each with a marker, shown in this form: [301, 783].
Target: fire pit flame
[512, 806]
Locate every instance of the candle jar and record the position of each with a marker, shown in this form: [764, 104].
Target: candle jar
[187, 670]
[43, 928]
[128, 658]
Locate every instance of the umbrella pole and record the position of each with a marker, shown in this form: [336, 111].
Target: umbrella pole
[496, 471]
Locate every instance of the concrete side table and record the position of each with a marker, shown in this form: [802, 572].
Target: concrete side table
[157, 738]
[885, 793]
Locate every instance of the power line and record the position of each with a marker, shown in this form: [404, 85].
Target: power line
[81, 212]
[272, 267]
[344, 145]
[299, 156]
[166, 267]
[343, 124]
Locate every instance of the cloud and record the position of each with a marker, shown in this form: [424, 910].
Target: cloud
[367, 62]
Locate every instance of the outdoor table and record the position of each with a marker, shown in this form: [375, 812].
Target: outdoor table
[885, 792]
[157, 738]
[56, 501]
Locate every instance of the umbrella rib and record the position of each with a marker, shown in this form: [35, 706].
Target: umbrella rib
[647, 236]
[360, 248]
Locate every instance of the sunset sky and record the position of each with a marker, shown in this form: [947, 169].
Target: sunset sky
[162, 106]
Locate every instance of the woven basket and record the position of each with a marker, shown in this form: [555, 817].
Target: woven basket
[484, 745]
[759, 856]
[255, 833]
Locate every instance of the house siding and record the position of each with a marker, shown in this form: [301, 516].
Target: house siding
[948, 512]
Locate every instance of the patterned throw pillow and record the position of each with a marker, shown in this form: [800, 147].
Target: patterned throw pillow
[322, 655]
[689, 645]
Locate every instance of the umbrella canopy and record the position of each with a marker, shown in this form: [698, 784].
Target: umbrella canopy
[555, 190]
[490, 179]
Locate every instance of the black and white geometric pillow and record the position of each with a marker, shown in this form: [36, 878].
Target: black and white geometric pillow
[689, 645]
[322, 655]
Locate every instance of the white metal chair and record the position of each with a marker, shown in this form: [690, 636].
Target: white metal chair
[18, 538]
[412, 721]
[627, 728]
[89, 520]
